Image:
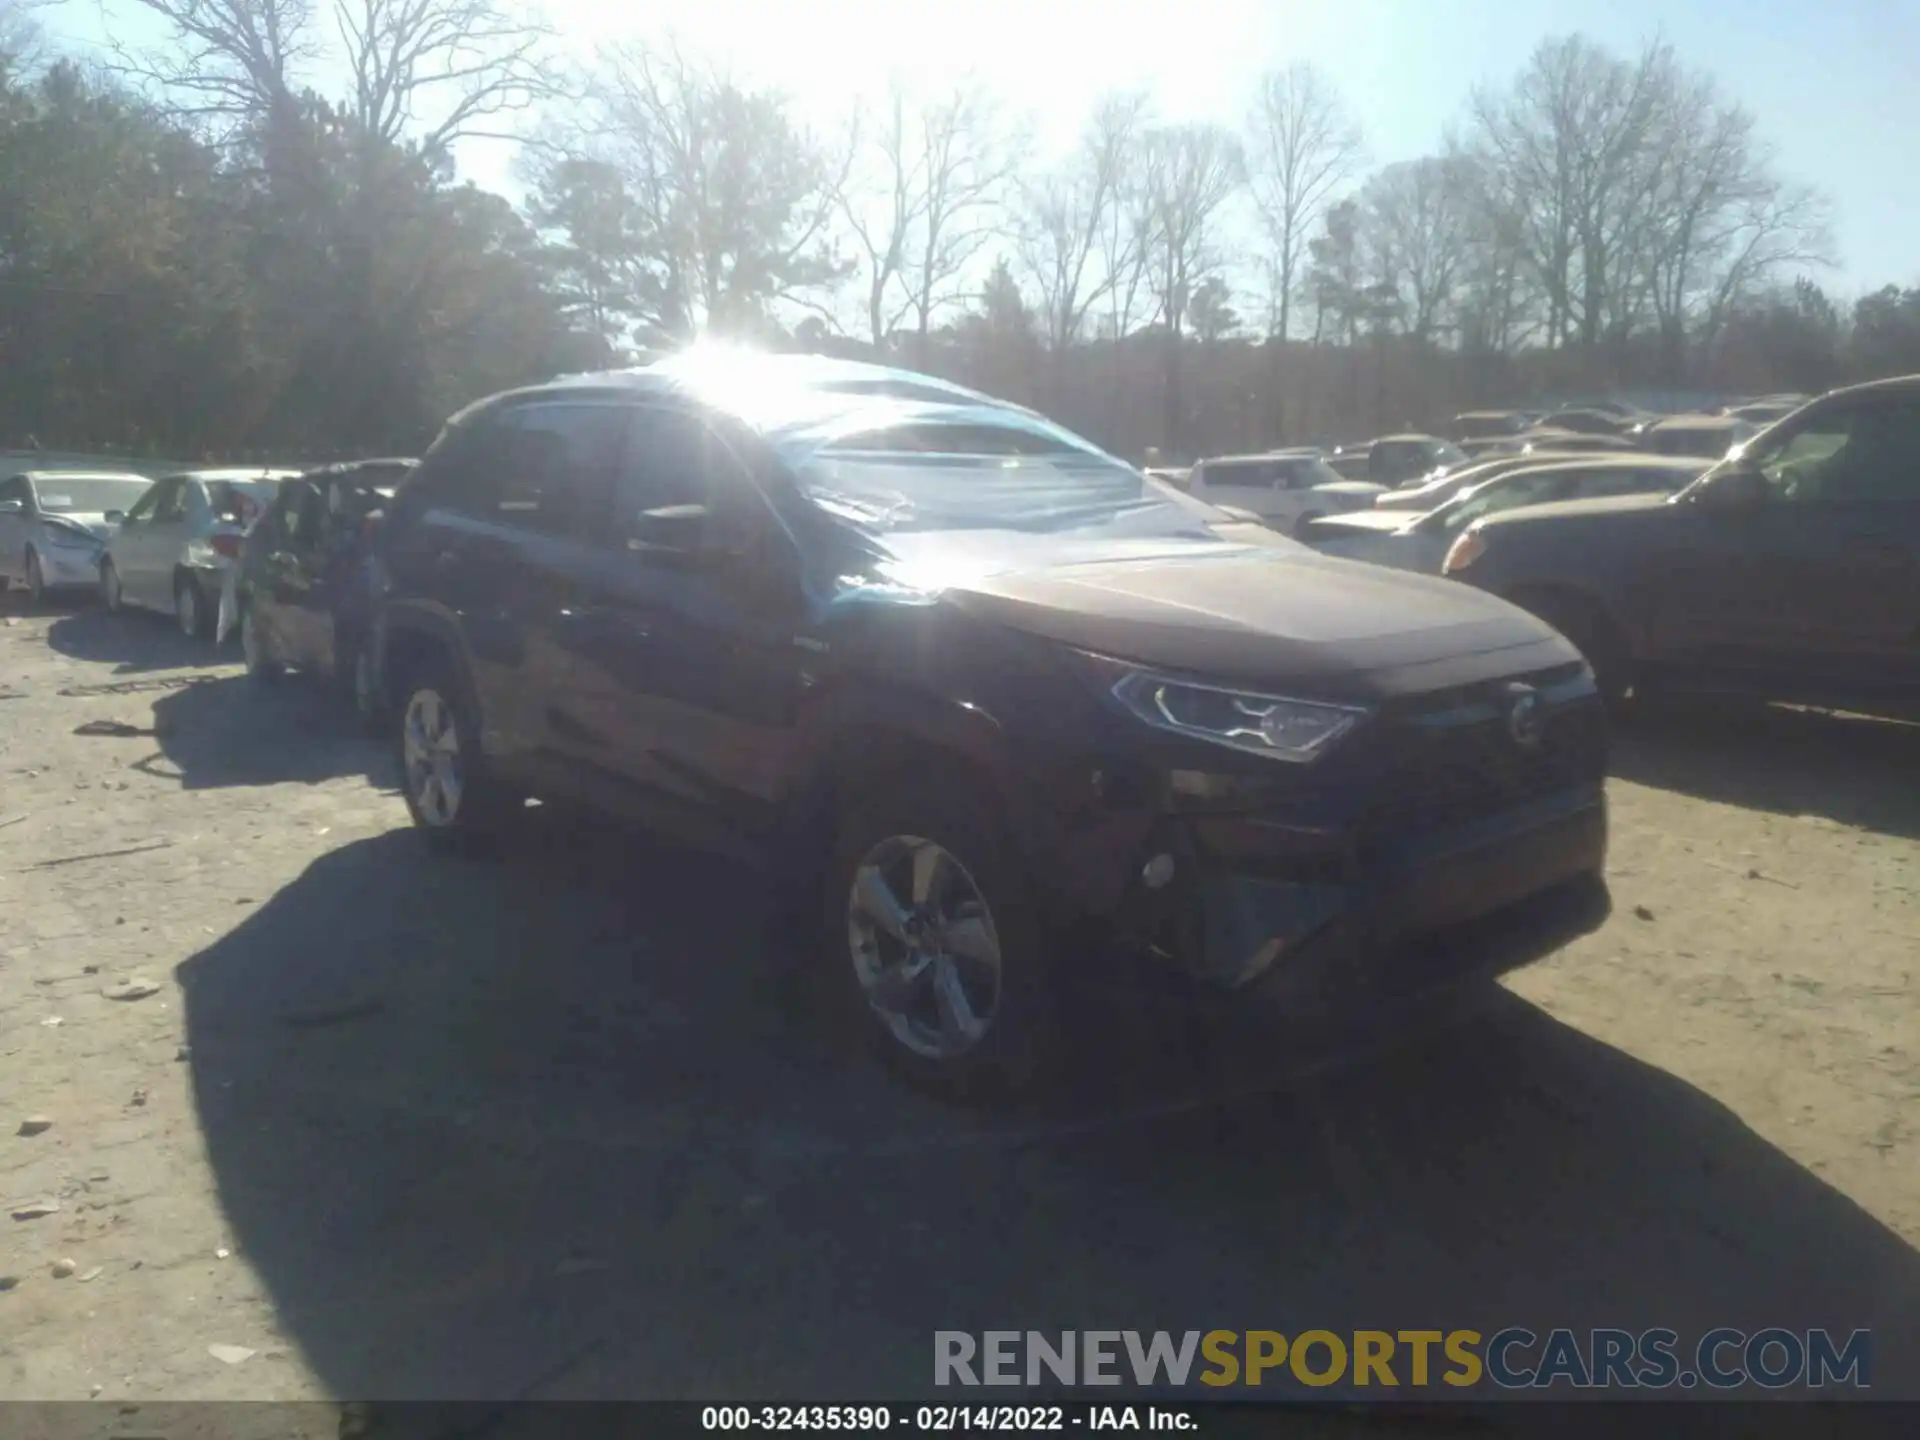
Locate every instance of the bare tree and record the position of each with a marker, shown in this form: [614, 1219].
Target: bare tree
[1720, 225]
[1188, 173]
[968, 157]
[1301, 147]
[1416, 216]
[233, 61]
[723, 204]
[881, 202]
[460, 61]
[1067, 217]
[19, 36]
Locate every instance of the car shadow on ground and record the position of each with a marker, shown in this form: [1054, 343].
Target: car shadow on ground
[543, 1126]
[1854, 769]
[132, 641]
[233, 730]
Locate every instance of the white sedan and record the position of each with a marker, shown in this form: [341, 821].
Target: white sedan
[55, 523]
[172, 550]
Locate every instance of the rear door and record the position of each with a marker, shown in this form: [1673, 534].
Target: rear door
[154, 545]
[508, 552]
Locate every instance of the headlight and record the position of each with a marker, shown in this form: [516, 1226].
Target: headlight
[1271, 725]
[1464, 551]
[62, 538]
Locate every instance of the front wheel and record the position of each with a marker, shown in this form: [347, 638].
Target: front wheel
[450, 792]
[1301, 525]
[1593, 635]
[933, 942]
[36, 581]
[111, 594]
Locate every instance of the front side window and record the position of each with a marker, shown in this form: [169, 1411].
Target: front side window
[1863, 455]
[170, 501]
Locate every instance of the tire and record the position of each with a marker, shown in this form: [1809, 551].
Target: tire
[111, 594]
[1300, 525]
[900, 976]
[363, 687]
[260, 665]
[190, 608]
[438, 740]
[1595, 638]
[36, 581]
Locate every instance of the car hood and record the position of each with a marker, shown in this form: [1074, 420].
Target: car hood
[1611, 509]
[1273, 615]
[1372, 521]
[95, 525]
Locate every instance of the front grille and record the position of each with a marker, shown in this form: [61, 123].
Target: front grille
[1441, 775]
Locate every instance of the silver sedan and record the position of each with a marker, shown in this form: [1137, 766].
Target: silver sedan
[173, 549]
[54, 525]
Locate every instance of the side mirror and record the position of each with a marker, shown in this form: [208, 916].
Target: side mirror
[682, 532]
[115, 517]
[13, 507]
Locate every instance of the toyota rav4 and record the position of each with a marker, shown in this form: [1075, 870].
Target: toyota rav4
[996, 703]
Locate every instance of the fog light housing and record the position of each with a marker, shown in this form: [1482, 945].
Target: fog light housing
[1157, 872]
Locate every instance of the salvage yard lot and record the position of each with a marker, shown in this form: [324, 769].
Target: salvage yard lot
[393, 1127]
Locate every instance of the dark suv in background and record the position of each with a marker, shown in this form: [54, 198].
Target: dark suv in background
[982, 693]
[1789, 571]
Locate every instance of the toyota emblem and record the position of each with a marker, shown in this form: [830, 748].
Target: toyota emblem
[1525, 723]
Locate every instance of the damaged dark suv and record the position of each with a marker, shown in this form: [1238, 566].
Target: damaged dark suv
[997, 704]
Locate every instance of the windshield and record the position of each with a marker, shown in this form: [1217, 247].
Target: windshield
[892, 491]
[93, 496]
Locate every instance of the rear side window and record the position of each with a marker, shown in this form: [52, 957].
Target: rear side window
[544, 467]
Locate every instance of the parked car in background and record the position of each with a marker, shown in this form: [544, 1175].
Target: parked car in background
[173, 547]
[54, 526]
[1589, 420]
[1707, 437]
[1487, 425]
[301, 594]
[1764, 410]
[1285, 488]
[1570, 442]
[1421, 542]
[1396, 459]
[871, 642]
[1790, 570]
[1434, 493]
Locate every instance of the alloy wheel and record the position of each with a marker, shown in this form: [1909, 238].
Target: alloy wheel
[924, 946]
[431, 750]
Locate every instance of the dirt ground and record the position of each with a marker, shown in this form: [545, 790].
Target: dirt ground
[389, 1127]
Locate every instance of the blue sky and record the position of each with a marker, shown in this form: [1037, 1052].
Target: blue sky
[1833, 84]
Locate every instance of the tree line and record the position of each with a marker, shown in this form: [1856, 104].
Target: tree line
[203, 251]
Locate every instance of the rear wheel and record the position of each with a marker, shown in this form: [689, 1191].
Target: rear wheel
[450, 791]
[933, 943]
[260, 664]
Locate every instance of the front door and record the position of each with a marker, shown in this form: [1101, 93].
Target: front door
[152, 537]
[691, 642]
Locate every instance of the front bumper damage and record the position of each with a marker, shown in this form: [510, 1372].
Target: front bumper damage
[1437, 852]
